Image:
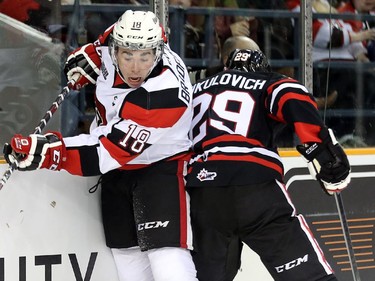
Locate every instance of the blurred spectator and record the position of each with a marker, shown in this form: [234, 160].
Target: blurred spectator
[274, 35]
[71, 2]
[335, 40]
[97, 22]
[182, 3]
[361, 7]
[224, 26]
[193, 36]
[338, 35]
[39, 14]
[232, 43]
[19, 10]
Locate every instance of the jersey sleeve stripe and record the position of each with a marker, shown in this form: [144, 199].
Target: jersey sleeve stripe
[271, 88]
[291, 97]
[280, 88]
[307, 132]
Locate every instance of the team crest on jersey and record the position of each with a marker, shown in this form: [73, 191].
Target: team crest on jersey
[205, 175]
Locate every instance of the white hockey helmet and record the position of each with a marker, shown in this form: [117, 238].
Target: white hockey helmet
[137, 30]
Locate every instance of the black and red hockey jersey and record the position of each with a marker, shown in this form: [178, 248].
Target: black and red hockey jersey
[236, 117]
[135, 127]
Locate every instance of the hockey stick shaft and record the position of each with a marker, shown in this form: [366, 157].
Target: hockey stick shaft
[346, 233]
[43, 122]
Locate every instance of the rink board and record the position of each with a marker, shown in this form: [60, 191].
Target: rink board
[50, 225]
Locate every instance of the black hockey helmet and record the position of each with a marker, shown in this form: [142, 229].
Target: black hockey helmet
[248, 60]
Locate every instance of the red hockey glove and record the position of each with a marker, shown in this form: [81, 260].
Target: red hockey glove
[327, 162]
[36, 151]
[85, 61]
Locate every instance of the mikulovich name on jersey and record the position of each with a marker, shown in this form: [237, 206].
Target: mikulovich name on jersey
[232, 80]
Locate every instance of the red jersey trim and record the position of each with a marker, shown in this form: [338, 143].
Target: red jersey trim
[183, 205]
[274, 85]
[230, 138]
[307, 132]
[246, 158]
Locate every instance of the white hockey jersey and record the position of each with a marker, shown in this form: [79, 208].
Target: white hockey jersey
[135, 127]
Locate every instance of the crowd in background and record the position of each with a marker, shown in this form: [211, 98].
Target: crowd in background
[337, 88]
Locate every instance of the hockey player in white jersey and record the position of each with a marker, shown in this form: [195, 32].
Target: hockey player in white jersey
[138, 143]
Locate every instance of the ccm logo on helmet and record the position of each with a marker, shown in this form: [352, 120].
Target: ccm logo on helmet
[152, 224]
[292, 264]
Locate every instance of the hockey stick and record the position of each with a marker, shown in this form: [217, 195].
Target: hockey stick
[306, 12]
[43, 122]
[338, 198]
[348, 241]
[346, 233]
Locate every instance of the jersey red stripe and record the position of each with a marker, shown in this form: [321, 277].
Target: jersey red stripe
[183, 206]
[281, 81]
[247, 158]
[307, 132]
[235, 138]
[292, 96]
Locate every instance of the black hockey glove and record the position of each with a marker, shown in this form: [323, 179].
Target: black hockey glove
[84, 61]
[327, 162]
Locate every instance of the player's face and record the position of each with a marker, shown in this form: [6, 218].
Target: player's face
[135, 65]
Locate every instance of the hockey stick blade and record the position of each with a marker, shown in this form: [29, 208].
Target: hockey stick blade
[43, 122]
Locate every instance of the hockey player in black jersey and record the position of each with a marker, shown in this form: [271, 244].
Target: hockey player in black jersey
[235, 177]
